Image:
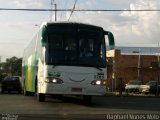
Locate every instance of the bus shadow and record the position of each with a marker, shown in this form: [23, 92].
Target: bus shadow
[65, 99]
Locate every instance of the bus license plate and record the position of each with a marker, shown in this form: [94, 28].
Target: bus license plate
[76, 89]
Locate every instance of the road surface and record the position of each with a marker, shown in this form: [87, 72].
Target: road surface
[21, 107]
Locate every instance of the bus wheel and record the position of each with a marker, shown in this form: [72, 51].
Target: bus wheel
[26, 93]
[87, 99]
[41, 97]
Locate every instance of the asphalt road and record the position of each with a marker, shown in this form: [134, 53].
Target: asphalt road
[15, 106]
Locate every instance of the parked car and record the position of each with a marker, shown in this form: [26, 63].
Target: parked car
[133, 86]
[150, 87]
[11, 83]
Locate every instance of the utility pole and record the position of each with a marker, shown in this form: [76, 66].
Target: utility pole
[158, 62]
[55, 5]
[139, 64]
[140, 67]
[0, 62]
[158, 66]
[158, 56]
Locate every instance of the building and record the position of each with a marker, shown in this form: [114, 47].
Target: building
[131, 66]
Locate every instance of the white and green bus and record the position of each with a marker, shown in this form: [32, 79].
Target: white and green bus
[66, 59]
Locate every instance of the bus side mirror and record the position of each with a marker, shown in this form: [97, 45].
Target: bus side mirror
[111, 39]
[44, 37]
[43, 44]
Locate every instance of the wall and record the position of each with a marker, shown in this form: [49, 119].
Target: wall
[130, 67]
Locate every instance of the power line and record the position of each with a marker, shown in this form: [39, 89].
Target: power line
[79, 10]
[72, 10]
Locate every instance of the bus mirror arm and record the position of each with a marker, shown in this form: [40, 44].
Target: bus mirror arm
[43, 44]
[111, 39]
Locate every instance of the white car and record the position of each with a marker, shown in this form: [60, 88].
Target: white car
[133, 86]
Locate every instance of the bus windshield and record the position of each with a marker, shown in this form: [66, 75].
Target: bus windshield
[76, 47]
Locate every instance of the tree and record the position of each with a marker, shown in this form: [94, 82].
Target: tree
[12, 67]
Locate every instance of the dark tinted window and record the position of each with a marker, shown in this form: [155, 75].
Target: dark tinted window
[152, 83]
[71, 46]
[14, 78]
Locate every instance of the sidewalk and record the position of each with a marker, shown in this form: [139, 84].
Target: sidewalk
[124, 94]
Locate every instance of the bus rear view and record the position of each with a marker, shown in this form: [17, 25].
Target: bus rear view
[70, 59]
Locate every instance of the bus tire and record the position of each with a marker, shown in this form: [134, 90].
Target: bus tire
[26, 93]
[41, 97]
[87, 99]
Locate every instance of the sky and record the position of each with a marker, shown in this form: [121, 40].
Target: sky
[141, 29]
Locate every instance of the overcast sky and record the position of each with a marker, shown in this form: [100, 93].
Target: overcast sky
[129, 28]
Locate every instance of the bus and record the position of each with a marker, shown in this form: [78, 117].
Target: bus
[66, 58]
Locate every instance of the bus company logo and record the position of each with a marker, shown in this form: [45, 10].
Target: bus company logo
[54, 74]
[99, 76]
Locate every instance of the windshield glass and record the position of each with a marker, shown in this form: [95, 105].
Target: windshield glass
[71, 46]
[135, 83]
[152, 83]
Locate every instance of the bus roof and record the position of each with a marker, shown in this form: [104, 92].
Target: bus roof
[72, 24]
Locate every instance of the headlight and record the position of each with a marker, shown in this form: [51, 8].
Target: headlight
[99, 82]
[53, 80]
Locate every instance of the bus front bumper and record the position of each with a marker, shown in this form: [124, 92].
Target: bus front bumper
[72, 89]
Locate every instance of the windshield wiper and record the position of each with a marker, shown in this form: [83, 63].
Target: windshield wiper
[98, 68]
